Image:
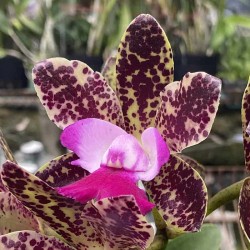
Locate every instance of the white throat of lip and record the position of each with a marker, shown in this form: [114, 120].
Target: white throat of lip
[149, 216]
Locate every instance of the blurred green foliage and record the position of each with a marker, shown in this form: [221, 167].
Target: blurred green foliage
[111, 20]
[231, 40]
[34, 30]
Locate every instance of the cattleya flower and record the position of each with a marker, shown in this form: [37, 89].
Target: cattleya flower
[115, 159]
[119, 135]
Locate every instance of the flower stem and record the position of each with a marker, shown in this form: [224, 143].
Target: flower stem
[5, 147]
[224, 196]
[160, 241]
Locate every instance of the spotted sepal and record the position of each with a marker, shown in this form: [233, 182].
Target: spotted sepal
[109, 72]
[31, 240]
[244, 208]
[70, 91]
[144, 65]
[188, 109]
[59, 172]
[180, 196]
[194, 164]
[245, 116]
[60, 213]
[119, 223]
[14, 216]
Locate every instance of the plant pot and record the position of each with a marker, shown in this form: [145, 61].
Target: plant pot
[193, 63]
[232, 93]
[12, 73]
[94, 62]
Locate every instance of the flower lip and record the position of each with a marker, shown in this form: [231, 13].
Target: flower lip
[107, 182]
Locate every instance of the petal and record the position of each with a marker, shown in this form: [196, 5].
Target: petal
[245, 117]
[144, 66]
[157, 151]
[30, 240]
[180, 196]
[60, 172]
[71, 91]
[90, 139]
[119, 223]
[188, 109]
[60, 213]
[14, 216]
[126, 152]
[194, 164]
[107, 182]
[244, 208]
[109, 72]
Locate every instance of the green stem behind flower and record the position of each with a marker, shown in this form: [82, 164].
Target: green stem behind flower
[224, 196]
[6, 150]
[160, 241]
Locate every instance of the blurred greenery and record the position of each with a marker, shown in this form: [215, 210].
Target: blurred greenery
[35, 30]
[111, 20]
[231, 41]
[189, 24]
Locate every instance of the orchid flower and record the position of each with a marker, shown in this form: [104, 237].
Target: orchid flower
[121, 135]
[115, 159]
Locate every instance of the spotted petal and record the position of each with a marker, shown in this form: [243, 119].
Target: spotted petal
[194, 164]
[244, 208]
[109, 72]
[188, 109]
[14, 216]
[245, 113]
[30, 240]
[70, 91]
[119, 223]
[61, 214]
[144, 66]
[60, 172]
[180, 196]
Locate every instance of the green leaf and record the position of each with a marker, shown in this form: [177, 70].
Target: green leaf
[240, 20]
[33, 26]
[208, 238]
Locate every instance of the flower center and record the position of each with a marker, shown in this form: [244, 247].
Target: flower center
[126, 152]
